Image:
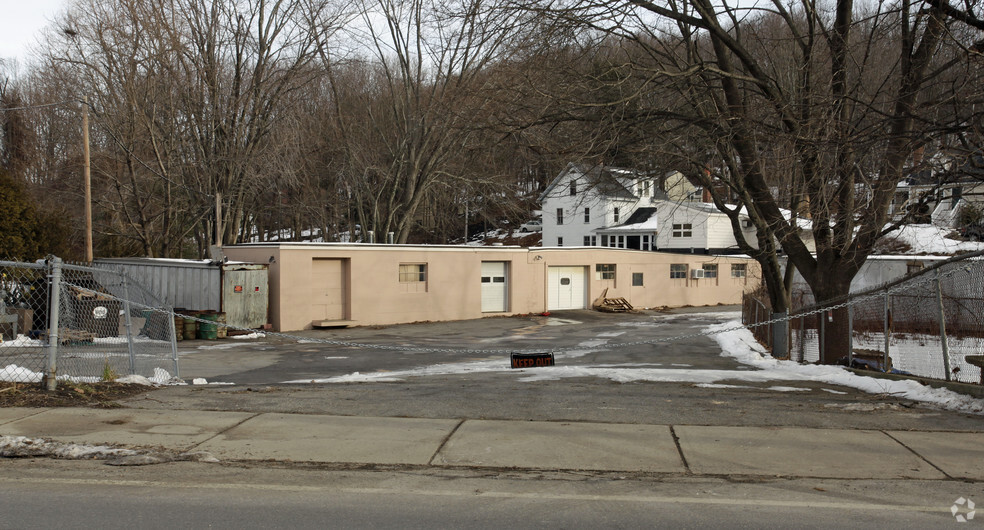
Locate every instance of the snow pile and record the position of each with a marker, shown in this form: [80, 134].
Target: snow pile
[741, 345]
[20, 446]
[248, 336]
[22, 341]
[16, 374]
[931, 239]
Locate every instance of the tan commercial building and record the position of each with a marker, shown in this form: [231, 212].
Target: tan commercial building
[329, 284]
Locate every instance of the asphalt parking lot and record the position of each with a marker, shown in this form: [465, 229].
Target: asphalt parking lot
[465, 374]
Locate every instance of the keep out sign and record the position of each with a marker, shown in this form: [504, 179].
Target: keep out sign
[531, 360]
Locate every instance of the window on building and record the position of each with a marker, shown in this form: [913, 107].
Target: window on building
[710, 270]
[413, 272]
[616, 215]
[573, 188]
[605, 271]
[913, 267]
[604, 240]
[587, 241]
[560, 241]
[587, 215]
[738, 270]
[678, 270]
[683, 230]
[636, 279]
[560, 216]
[646, 242]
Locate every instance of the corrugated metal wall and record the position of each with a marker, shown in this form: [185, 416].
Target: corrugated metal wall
[189, 285]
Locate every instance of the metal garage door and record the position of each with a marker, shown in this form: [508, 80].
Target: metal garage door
[494, 287]
[566, 288]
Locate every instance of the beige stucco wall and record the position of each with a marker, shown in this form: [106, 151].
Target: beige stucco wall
[375, 296]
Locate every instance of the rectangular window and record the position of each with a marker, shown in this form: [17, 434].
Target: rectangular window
[413, 272]
[587, 215]
[636, 279]
[573, 188]
[683, 230]
[605, 271]
[710, 270]
[587, 241]
[604, 240]
[560, 216]
[737, 270]
[560, 241]
[678, 270]
[616, 215]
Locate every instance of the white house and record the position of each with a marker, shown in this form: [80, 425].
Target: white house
[622, 208]
[585, 199]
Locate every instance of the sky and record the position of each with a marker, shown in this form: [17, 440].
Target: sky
[21, 24]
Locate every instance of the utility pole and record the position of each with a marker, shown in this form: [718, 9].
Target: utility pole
[88, 180]
[218, 218]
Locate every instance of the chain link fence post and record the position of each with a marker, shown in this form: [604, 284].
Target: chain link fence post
[128, 324]
[54, 300]
[174, 343]
[887, 325]
[939, 306]
[850, 335]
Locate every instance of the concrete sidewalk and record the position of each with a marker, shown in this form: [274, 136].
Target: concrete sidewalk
[681, 449]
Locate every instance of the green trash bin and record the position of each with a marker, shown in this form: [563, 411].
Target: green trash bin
[208, 330]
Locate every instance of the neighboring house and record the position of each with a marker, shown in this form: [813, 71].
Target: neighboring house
[946, 187]
[337, 284]
[620, 208]
[583, 199]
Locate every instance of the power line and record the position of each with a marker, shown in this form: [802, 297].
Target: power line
[30, 107]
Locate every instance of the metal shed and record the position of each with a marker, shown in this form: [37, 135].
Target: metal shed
[240, 290]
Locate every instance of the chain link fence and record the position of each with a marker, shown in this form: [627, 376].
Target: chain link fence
[82, 324]
[929, 324]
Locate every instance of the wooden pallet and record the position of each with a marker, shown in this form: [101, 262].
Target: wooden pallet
[615, 305]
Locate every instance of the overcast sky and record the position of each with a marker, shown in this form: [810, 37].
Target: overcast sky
[21, 22]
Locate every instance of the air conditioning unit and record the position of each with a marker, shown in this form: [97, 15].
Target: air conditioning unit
[696, 273]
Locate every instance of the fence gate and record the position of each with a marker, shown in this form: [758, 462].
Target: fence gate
[81, 324]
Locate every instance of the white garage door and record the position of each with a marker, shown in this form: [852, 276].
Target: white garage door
[494, 287]
[566, 288]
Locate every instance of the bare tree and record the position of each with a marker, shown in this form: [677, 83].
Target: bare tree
[784, 113]
[410, 99]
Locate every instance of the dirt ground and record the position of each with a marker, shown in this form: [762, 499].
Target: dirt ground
[97, 395]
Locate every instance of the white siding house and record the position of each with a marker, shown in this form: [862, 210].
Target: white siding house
[621, 208]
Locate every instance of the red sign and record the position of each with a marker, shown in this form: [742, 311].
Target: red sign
[238, 288]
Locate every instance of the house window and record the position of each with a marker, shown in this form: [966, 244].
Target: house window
[413, 272]
[604, 240]
[560, 216]
[683, 230]
[587, 241]
[560, 241]
[587, 215]
[913, 267]
[605, 271]
[636, 279]
[678, 270]
[573, 188]
[710, 270]
[737, 270]
[616, 215]
[646, 242]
